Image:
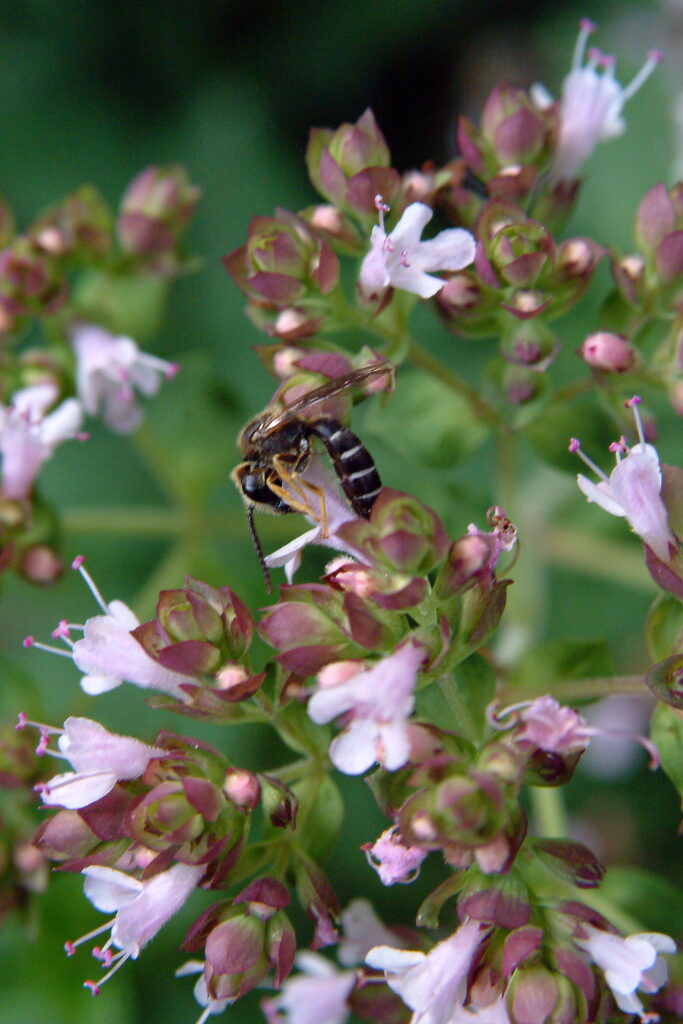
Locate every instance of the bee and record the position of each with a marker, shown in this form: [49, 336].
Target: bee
[277, 445]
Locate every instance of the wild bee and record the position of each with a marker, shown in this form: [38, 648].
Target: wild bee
[277, 446]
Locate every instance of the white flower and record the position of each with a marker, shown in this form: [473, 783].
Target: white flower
[591, 105]
[29, 434]
[377, 703]
[633, 490]
[141, 909]
[434, 985]
[630, 964]
[317, 996]
[100, 758]
[401, 259]
[109, 370]
[393, 859]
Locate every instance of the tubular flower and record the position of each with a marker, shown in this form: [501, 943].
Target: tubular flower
[630, 964]
[433, 985]
[108, 654]
[401, 259]
[29, 435]
[142, 908]
[393, 859]
[109, 370]
[376, 703]
[633, 490]
[591, 105]
[100, 758]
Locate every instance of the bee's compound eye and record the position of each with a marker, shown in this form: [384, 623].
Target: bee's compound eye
[255, 489]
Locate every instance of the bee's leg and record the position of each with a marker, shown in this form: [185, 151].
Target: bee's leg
[299, 501]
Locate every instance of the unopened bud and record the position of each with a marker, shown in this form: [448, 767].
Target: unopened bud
[606, 351]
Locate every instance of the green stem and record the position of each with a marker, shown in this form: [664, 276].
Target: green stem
[549, 812]
[601, 686]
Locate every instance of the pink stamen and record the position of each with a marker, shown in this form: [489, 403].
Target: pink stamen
[22, 721]
[574, 445]
[28, 641]
[69, 948]
[93, 986]
[404, 258]
[575, 448]
[43, 742]
[171, 370]
[61, 631]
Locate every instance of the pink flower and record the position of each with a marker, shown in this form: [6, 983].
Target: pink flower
[29, 435]
[317, 996]
[591, 105]
[108, 654]
[633, 490]
[554, 727]
[109, 370]
[433, 985]
[376, 703]
[392, 859]
[630, 964]
[401, 259]
[362, 930]
[100, 758]
[141, 909]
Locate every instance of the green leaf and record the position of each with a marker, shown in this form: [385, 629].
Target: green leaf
[664, 627]
[666, 731]
[301, 734]
[445, 431]
[321, 814]
[560, 660]
[653, 901]
[458, 701]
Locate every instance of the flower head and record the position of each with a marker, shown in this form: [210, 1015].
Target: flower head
[630, 964]
[29, 434]
[109, 370]
[633, 490]
[376, 704]
[141, 909]
[591, 105]
[401, 259]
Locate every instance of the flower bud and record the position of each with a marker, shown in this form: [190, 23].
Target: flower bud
[402, 535]
[155, 210]
[81, 225]
[350, 166]
[609, 352]
[197, 630]
[30, 281]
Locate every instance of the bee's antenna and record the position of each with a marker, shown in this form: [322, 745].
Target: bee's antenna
[258, 549]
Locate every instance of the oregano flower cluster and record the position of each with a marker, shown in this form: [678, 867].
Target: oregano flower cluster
[385, 667]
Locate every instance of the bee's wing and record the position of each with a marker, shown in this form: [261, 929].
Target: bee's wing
[334, 387]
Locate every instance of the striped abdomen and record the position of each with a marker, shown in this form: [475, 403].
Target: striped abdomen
[352, 462]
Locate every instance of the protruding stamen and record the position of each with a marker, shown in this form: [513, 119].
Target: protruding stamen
[633, 403]
[586, 28]
[575, 449]
[30, 642]
[78, 565]
[404, 258]
[381, 208]
[71, 947]
[653, 59]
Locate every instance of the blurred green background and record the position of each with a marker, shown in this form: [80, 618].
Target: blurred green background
[90, 92]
